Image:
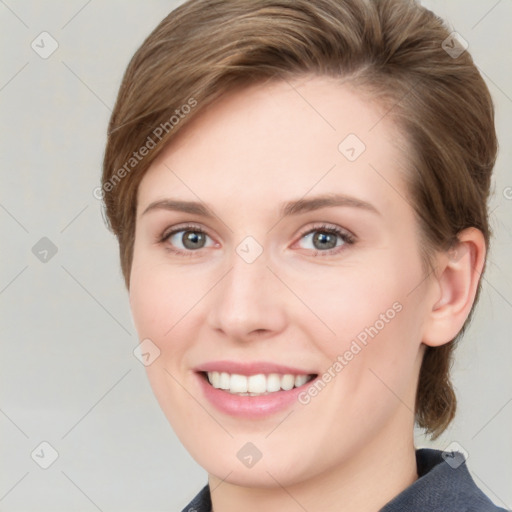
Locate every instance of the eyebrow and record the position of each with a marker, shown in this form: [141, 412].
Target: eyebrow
[287, 209]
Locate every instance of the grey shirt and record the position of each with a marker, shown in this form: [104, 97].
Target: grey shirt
[443, 485]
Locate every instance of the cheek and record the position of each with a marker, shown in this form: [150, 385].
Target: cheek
[377, 323]
[157, 296]
[378, 376]
[147, 303]
[355, 301]
[157, 305]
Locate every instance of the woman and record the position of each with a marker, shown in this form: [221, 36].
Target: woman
[299, 190]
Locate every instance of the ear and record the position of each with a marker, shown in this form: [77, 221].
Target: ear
[458, 272]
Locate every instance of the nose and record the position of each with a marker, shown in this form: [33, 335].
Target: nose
[249, 301]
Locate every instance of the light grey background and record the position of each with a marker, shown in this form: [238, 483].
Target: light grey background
[68, 374]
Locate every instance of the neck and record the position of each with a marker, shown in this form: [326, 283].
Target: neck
[379, 472]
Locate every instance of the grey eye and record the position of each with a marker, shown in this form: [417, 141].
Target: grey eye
[189, 239]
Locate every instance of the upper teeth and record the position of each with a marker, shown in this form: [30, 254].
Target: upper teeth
[255, 384]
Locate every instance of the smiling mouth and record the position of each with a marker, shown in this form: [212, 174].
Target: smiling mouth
[256, 385]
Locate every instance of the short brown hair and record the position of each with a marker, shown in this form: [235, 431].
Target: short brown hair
[394, 50]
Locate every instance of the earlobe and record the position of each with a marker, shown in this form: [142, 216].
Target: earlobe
[457, 277]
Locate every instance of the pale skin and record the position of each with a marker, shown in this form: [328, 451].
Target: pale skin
[352, 445]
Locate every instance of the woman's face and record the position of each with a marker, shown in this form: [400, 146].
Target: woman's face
[305, 262]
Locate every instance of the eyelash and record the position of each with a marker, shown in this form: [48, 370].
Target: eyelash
[346, 237]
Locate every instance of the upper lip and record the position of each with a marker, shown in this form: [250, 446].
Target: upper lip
[250, 368]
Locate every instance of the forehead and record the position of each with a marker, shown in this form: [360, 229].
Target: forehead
[265, 143]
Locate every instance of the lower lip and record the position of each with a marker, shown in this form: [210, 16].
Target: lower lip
[250, 406]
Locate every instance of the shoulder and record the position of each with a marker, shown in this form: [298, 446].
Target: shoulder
[201, 502]
[444, 484]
